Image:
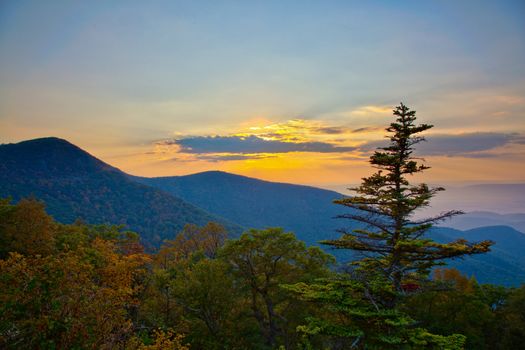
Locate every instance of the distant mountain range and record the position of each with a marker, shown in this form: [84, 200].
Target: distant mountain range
[499, 198]
[484, 218]
[504, 264]
[75, 184]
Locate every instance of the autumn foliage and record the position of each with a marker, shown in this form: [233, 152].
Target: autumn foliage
[85, 286]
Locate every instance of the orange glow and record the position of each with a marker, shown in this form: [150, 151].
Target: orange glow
[331, 169]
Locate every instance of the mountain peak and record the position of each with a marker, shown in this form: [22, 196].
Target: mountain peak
[50, 141]
[49, 156]
[219, 174]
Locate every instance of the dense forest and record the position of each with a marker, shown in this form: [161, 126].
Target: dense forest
[82, 286]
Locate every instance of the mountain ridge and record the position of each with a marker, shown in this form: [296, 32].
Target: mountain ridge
[474, 219]
[305, 210]
[74, 184]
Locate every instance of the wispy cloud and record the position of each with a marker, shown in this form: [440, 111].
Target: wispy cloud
[368, 110]
[330, 130]
[295, 130]
[367, 129]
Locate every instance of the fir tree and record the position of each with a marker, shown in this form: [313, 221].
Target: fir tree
[360, 309]
[392, 241]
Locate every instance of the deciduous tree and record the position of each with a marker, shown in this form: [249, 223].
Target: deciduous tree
[263, 260]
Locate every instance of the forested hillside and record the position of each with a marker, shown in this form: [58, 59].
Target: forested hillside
[503, 265]
[310, 213]
[307, 211]
[80, 286]
[75, 185]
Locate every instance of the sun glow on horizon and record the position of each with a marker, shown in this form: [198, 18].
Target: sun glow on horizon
[319, 153]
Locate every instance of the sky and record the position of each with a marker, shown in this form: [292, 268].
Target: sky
[289, 91]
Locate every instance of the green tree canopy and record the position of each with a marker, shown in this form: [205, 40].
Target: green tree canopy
[263, 260]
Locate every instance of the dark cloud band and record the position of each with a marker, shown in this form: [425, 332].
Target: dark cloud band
[250, 144]
[228, 157]
[462, 145]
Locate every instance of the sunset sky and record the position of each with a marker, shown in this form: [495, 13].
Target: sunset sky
[291, 91]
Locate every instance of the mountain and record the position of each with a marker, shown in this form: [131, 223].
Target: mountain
[504, 264]
[74, 184]
[307, 211]
[484, 218]
[497, 198]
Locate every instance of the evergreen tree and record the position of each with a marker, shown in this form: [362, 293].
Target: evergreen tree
[360, 308]
[392, 241]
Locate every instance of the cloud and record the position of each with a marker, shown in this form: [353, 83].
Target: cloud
[169, 142]
[330, 130]
[295, 129]
[229, 157]
[368, 110]
[249, 145]
[466, 144]
[519, 139]
[472, 145]
[367, 129]
[358, 158]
